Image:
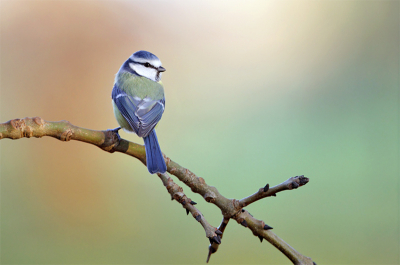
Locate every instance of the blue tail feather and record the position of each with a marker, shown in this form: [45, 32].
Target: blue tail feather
[154, 157]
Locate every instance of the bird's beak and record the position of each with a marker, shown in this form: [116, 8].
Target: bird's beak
[161, 69]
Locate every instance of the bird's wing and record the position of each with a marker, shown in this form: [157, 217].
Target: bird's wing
[141, 114]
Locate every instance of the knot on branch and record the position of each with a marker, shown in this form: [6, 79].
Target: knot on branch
[209, 196]
[179, 196]
[197, 216]
[66, 135]
[39, 121]
[236, 204]
[201, 180]
[172, 170]
[21, 126]
[28, 132]
[169, 183]
[18, 124]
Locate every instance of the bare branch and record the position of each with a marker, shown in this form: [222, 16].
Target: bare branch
[290, 184]
[260, 229]
[230, 208]
[177, 194]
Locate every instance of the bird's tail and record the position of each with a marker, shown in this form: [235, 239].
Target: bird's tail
[154, 157]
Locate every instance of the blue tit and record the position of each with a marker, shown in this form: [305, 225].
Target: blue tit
[139, 102]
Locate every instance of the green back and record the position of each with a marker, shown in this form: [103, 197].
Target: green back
[139, 86]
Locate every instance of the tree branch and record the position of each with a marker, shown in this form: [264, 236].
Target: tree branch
[177, 194]
[260, 229]
[290, 184]
[230, 208]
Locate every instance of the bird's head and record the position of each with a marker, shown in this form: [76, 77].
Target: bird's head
[145, 64]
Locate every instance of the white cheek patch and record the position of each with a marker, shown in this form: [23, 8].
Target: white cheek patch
[132, 66]
[141, 70]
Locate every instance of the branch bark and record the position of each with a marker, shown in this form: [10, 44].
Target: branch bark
[230, 208]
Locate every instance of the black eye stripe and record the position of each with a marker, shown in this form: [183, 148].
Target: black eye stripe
[148, 65]
[144, 64]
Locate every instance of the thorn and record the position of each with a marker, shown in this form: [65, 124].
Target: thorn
[211, 250]
[243, 210]
[215, 239]
[208, 256]
[274, 195]
[193, 203]
[267, 227]
[187, 211]
[244, 223]
[266, 188]
[218, 232]
[198, 218]
[261, 238]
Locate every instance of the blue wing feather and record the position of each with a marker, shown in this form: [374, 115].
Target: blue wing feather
[141, 114]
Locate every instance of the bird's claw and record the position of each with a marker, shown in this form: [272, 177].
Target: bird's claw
[115, 133]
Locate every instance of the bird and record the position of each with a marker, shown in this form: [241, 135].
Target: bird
[138, 101]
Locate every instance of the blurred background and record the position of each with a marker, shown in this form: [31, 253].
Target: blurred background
[256, 92]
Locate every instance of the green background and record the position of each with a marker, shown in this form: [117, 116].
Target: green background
[256, 92]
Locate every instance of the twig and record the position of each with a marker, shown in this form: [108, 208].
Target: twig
[213, 247]
[109, 141]
[177, 194]
[261, 230]
[290, 184]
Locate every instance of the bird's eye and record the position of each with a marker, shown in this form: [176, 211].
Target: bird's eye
[147, 64]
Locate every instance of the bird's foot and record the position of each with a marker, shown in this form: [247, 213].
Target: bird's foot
[112, 137]
[115, 131]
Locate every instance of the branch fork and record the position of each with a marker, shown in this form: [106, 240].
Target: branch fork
[110, 141]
